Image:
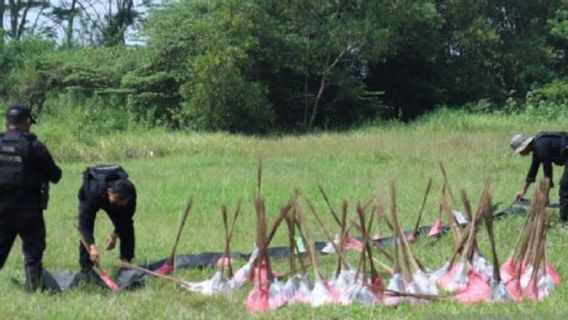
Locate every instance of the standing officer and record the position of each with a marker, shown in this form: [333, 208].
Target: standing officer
[106, 187]
[547, 148]
[26, 168]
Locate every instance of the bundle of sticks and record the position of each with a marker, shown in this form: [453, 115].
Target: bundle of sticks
[527, 272]
[410, 276]
[219, 283]
[169, 264]
[461, 275]
[456, 218]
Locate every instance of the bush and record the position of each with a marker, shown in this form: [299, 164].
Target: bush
[555, 92]
[548, 101]
[19, 62]
[221, 98]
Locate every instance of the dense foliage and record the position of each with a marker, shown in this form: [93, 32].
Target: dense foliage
[260, 65]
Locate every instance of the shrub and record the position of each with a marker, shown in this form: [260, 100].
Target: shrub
[548, 101]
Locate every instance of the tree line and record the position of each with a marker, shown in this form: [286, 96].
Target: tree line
[261, 65]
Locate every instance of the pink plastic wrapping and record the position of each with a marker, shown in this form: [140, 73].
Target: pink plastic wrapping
[531, 290]
[482, 267]
[353, 244]
[224, 262]
[377, 287]
[476, 290]
[513, 287]
[243, 274]
[377, 236]
[411, 237]
[553, 274]
[276, 295]
[508, 269]
[257, 300]
[436, 228]
[444, 281]
[109, 282]
[165, 269]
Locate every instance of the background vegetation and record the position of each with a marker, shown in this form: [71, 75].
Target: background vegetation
[258, 66]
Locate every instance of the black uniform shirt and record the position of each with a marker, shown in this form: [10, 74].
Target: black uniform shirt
[548, 148]
[42, 161]
[93, 198]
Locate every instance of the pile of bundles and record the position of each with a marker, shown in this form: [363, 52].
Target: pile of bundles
[525, 275]
[528, 273]
[347, 285]
[467, 277]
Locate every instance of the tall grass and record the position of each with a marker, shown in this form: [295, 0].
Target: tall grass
[91, 134]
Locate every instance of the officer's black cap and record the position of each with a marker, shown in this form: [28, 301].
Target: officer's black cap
[19, 113]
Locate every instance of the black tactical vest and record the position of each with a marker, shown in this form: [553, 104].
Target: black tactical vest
[16, 171]
[559, 134]
[100, 177]
[563, 136]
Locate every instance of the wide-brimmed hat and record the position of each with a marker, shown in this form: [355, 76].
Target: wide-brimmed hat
[520, 142]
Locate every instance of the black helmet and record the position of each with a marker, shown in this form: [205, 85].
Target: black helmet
[18, 113]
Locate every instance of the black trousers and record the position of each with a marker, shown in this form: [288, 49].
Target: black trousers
[126, 250]
[563, 193]
[32, 233]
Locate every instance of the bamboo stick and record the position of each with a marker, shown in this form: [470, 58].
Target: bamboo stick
[126, 265]
[170, 260]
[426, 194]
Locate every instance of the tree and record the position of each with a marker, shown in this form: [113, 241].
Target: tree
[103, 22]
[305, 60]
[206, 47]
[2, 31]
[64, 16]
[329, 45]
[459, 51]
[117, 22]
[559, 31]
[19, 12]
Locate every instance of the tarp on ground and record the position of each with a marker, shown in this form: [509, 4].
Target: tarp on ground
[520, 207]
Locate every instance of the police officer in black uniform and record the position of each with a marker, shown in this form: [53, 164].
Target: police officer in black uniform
[26, 168]
[106, 187]
[547, 148]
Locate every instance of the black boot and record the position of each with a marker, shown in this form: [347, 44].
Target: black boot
[33, 278]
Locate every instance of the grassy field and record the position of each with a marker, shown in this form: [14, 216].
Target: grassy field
[220, 168]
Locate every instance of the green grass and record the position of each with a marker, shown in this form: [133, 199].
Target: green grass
[220, 168]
